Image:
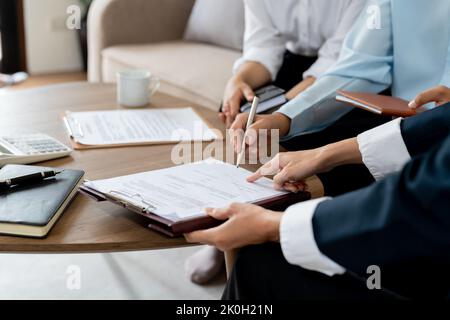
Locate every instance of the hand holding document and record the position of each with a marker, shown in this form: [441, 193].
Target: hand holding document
[174, 199]
[183, 192]
[128, 127]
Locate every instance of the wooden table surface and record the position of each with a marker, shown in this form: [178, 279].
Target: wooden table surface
[88, 226]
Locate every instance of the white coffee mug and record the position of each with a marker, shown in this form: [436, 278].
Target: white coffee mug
[135, 87]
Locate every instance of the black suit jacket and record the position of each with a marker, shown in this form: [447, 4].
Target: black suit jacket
[401, 224]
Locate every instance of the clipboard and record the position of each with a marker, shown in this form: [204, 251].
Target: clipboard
[174, 229]
[75, 132]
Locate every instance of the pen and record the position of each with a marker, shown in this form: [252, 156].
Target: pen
[27, 179]
[250, 119]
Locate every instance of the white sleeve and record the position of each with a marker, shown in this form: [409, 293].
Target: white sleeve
[298, 243]
[329, 51]
[263, 43]
[383, 149]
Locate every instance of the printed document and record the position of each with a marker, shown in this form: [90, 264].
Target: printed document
[184, 191]
[120, 127]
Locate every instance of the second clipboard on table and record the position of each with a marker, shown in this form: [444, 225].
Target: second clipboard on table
[114, 128]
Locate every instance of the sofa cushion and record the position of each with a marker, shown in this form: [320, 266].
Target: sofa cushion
[219, 22]
[192, 71]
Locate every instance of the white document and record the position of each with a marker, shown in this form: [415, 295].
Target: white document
[184, 192]
[116, 127]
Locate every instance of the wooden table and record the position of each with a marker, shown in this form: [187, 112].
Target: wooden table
[88, 226]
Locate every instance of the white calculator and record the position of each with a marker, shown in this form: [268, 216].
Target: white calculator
[30, 148]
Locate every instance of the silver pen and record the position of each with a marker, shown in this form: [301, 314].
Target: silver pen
[251, 118]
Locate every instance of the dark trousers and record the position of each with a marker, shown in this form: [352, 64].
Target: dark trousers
[262, 272]
[292, 69]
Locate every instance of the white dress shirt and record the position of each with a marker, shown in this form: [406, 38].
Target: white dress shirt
[304, 27]
[383, 152]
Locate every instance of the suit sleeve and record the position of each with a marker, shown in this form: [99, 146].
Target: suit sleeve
[426, 129]
[404, 218]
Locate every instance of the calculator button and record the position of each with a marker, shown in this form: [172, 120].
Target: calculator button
[36, 144]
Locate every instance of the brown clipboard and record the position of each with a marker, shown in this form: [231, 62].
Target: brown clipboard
[78, 146]
[177, 229]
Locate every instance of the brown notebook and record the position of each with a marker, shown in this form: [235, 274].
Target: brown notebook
[379, 104]
[174, 199]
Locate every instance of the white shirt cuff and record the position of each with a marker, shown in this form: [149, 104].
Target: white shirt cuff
[298, 243]
[383, 149]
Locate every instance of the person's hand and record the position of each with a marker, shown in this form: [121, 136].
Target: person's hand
[235, 232]
[270, 121]
[440, 95]
[235, 92]
[291, 168]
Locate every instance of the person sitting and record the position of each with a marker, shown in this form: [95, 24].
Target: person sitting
[385, 49]
[290, 43]
[327, 248]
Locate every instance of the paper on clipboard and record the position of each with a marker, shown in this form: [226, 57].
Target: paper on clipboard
[128, 127]
[183, 192]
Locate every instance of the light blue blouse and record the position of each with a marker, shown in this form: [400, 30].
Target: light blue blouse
[409, 51]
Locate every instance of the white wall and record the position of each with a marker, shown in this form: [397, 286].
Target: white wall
[51, 47]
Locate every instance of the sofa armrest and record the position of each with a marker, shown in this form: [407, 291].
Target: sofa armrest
[113, 22]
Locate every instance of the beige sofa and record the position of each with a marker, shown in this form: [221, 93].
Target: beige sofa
[148, 34]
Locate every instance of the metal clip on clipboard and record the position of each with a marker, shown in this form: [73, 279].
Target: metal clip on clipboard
[71, 124]
[124, 199]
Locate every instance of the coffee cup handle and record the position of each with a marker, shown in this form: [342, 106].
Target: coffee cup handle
[155, 84]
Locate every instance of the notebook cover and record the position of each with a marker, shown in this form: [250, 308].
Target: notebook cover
[265, 94]
[36, 204]
[175, 229]
[388, 106]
